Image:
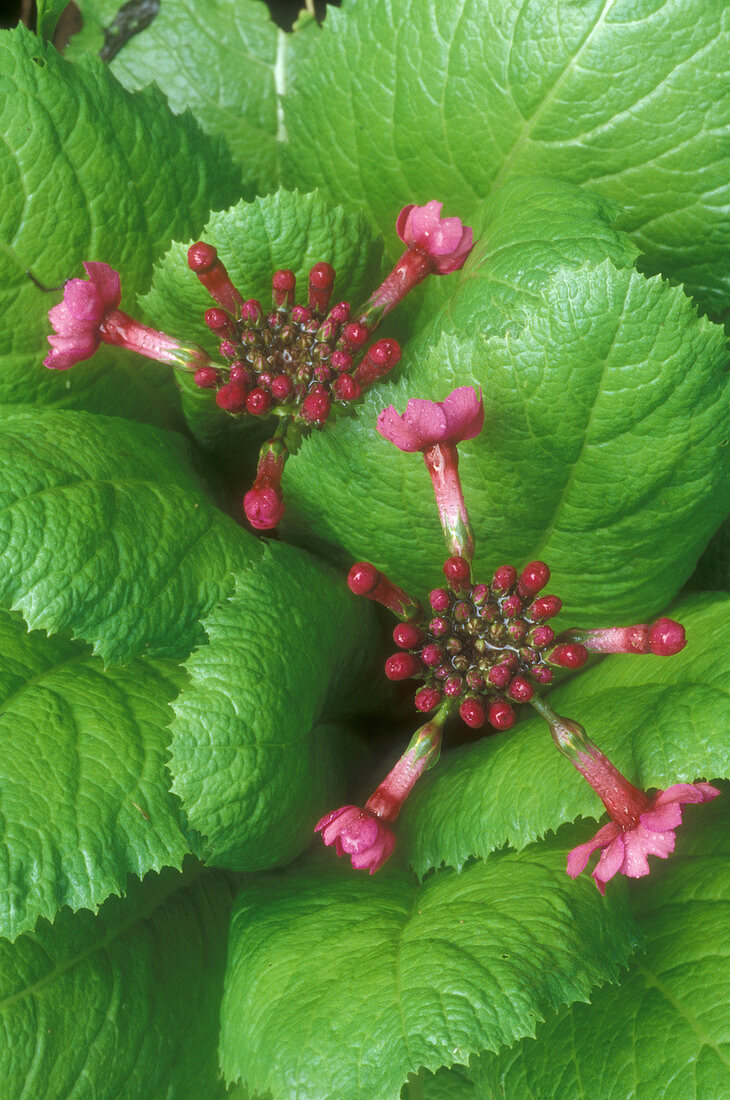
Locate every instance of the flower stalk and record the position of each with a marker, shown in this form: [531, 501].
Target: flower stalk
[442, 463]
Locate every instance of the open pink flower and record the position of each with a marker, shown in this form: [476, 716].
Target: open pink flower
[435, 246]
[363, 835]
[365, 838]
[88, 316]
[445, 240]
[78, 317]
[626, 846]
[640, 825]
[424, 423]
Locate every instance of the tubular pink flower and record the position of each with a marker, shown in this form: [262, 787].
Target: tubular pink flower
[264, 503]
[88, 317]
[445, 240]
[640, 825]
[664, 638]
[435, 246]
[435, 428]
[78, 317]
[459, 416]
[624, 848]
[363, 835]
[359, 834]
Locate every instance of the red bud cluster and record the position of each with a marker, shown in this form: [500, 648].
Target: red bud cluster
[299, 360]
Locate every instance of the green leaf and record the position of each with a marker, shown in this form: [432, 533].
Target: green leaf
[445, 1084]
[90, 172]
[255, 757]
[121, 1004]
[339, 984]
[660, 720]
[228, 63]
[85, 798]
[662, 1033]
[48, 12]
[399, 103]
[606, 405]
[107, 534]
[285, 230]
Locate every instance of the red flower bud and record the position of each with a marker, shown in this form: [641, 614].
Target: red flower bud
[457, 572]
[258, 402]
[503, 579]
[206, 377]
[533, 578]
[521, 689]
[570, 655]
[439, 599]
[345, 388]
[401, 666]
[473, 713]
[282, 387]
[501, 715]
[407, 635]
[427, 699]
[666, 637]
[231, 397]
[283, 286]
[544, 607]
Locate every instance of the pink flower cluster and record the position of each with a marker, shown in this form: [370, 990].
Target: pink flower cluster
[296, 362]
[489, 646]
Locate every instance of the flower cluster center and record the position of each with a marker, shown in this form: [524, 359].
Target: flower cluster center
[295, 360]
[485, 646]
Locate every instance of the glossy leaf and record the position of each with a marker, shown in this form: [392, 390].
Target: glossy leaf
[227, 62]
[256, 758]
[606, 405]
[403, 102]
[124, 1003]
[90, 172]
[85, 795]
[106, 533]
[663, 1032]
[339, 984]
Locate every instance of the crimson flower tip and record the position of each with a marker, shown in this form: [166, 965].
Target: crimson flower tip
[625, 847]
[361, 835]
[264, 508]
[78, 317]
[666, 637]
[446, 241]
[424, 423]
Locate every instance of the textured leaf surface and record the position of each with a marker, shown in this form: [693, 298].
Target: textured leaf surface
[255, 758]
[227, 62]
[106, 533]
[662, 720]
[606, 405]
[663, 1033]
[120, 1004]
[339, 984]
[90, 172]
[84, 798]
[618, 95]
[285, 230]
